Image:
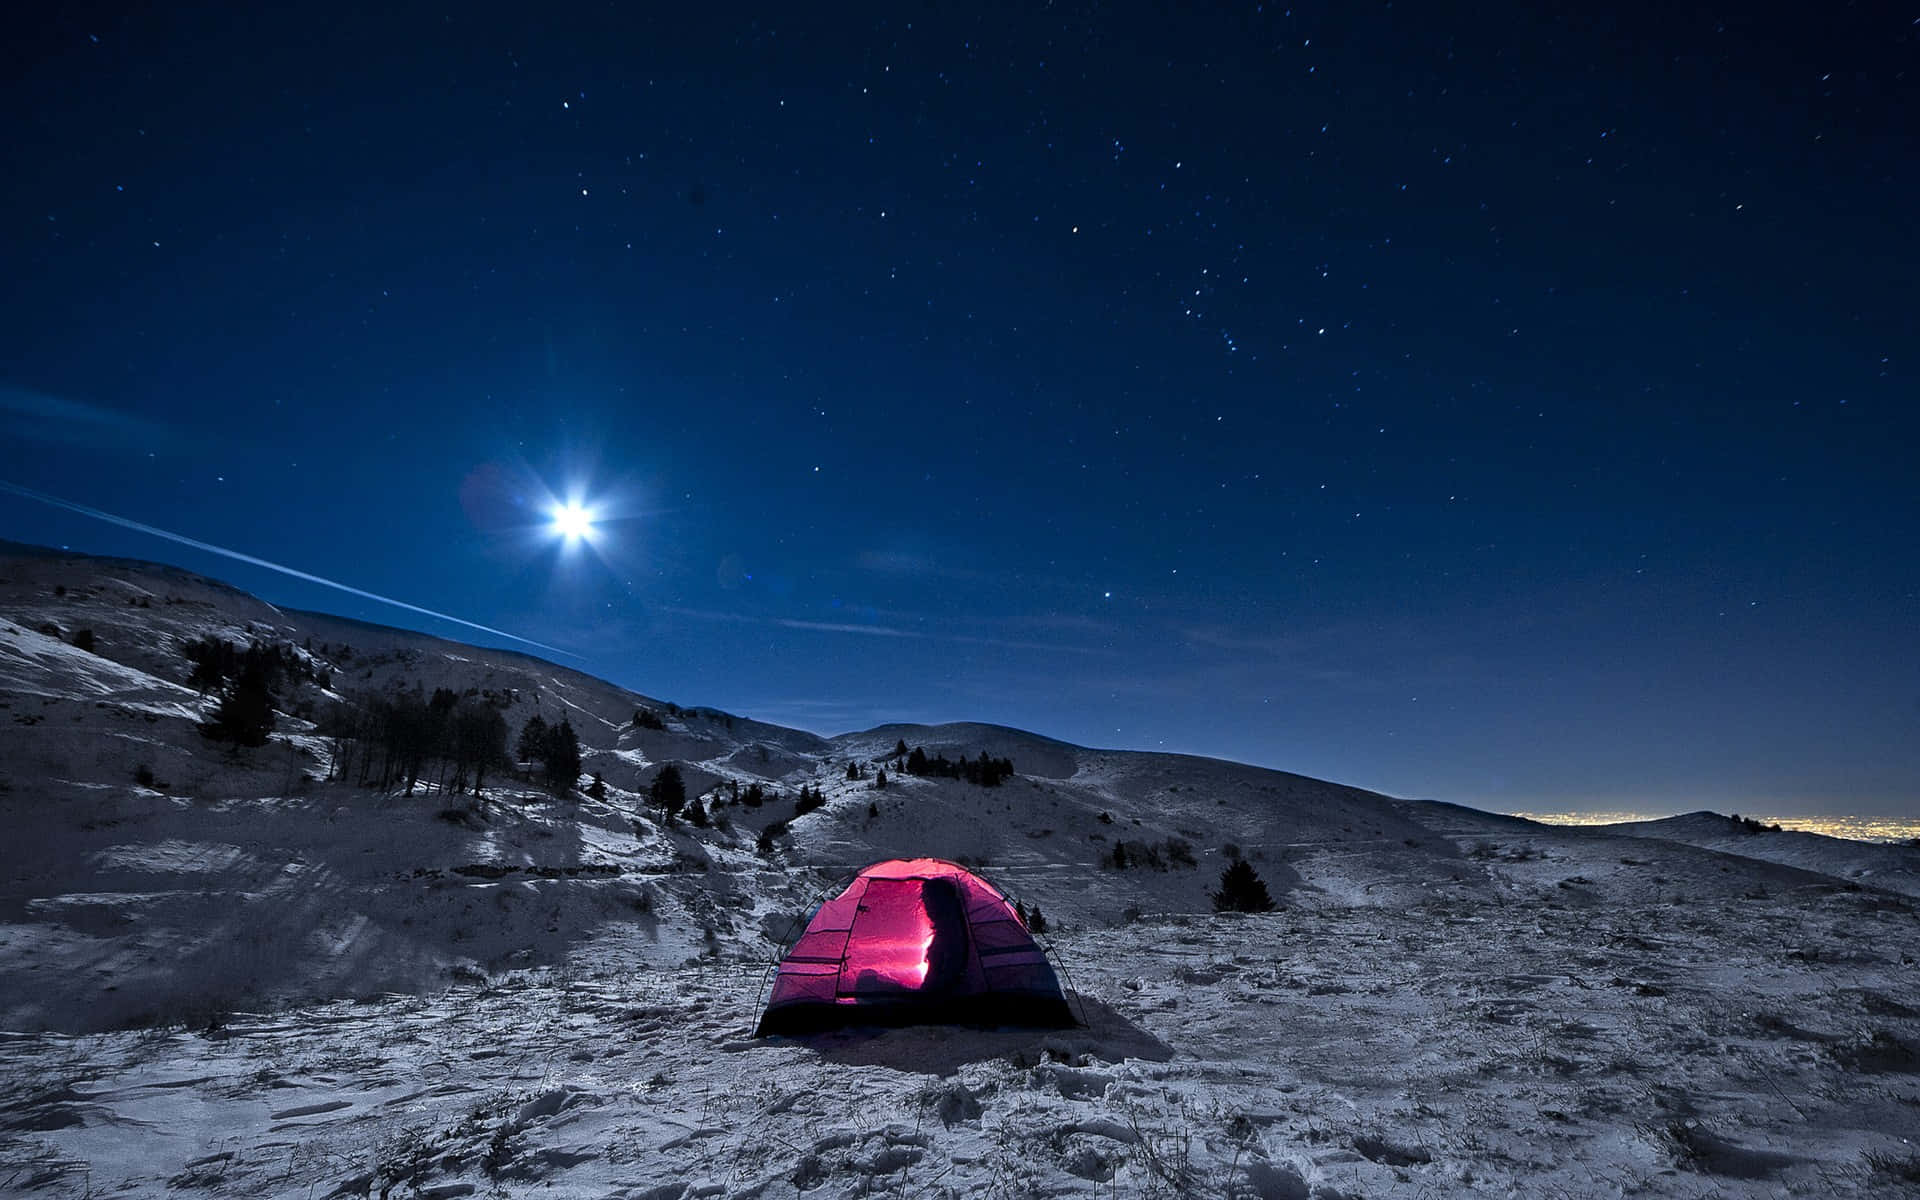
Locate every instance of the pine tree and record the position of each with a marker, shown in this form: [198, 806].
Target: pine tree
[244, 715]
[532, 746]
[668, 791]
[598, 788]
[1242, 890]
[563, 757]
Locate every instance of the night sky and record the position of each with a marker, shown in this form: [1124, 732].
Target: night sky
[1513, 405]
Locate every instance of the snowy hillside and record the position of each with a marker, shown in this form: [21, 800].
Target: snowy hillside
[226, 971]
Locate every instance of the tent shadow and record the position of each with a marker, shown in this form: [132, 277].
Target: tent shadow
[942, 1050]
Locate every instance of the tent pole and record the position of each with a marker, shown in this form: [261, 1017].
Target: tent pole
[1061, 962]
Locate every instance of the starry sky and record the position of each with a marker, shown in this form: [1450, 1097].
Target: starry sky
[1512, 404]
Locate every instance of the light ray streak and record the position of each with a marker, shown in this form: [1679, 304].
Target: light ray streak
[238, 556]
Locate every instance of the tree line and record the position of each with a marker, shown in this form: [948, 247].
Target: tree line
[986, 771]
[399, 740]
[555, 747]
[215, 661]
[446, 742]
[247, 680]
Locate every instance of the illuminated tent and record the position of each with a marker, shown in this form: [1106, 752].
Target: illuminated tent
[914, 941]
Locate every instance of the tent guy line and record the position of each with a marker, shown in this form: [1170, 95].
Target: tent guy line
[252, 560]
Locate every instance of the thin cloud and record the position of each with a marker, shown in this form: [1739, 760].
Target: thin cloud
[36, 416]
[820, 716]
[1065, 623]
[832, 627]
[896, 562]
[886, 631]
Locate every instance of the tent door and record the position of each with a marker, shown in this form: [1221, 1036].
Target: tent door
[904, 939]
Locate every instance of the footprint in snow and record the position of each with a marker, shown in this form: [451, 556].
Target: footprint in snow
[310, 1110]
[1071, 1083]
[549, 1103]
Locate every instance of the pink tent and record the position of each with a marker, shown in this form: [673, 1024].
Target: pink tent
[914, 941]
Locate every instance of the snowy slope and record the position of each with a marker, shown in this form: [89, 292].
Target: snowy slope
[245, 979]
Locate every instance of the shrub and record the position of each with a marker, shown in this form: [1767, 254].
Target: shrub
[770, 836]
[1895, 1167]
[646, 718]
[1032, 918]
[143, 775]
[83, 640]
[1155, 856]
[1242, 890]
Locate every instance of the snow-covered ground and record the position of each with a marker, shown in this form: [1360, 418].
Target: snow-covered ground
[246, 980]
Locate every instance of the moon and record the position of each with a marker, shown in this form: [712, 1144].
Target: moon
[572, 520]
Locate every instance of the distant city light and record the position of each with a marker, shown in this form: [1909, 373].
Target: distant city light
[1859, 829]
